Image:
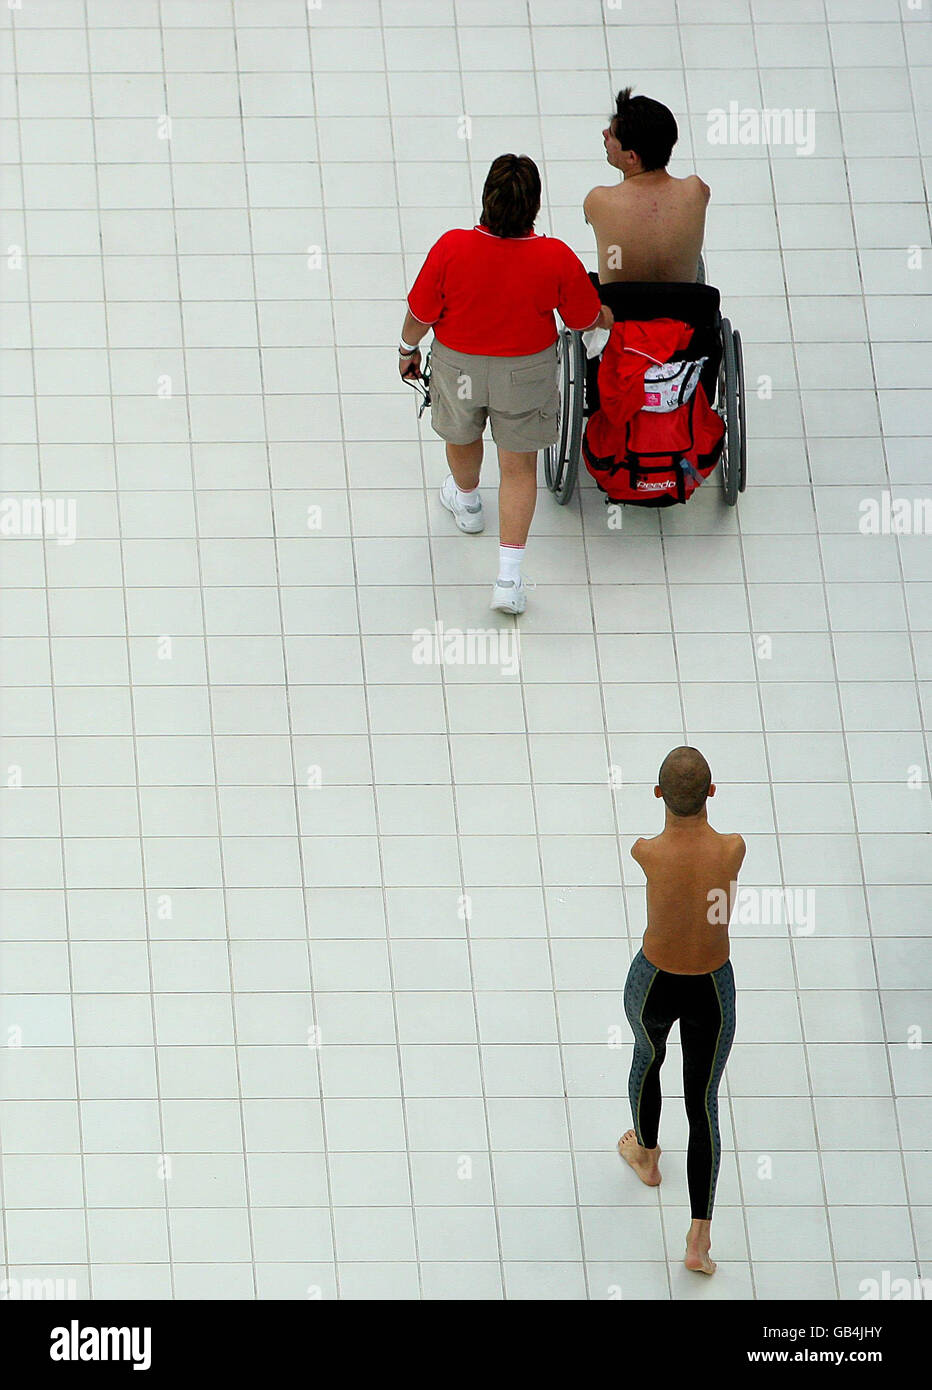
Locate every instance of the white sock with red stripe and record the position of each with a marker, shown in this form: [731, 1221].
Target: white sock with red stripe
[509, 562]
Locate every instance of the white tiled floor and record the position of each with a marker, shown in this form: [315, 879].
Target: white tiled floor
[211, 213]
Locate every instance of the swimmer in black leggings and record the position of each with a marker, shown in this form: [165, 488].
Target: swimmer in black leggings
[683, 972]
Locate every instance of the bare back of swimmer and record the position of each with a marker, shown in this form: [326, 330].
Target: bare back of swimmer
[689, 869]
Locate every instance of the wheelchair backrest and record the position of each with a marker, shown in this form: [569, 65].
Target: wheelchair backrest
[694, 304]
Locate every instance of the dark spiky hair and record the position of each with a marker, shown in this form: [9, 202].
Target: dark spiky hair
[645, 126]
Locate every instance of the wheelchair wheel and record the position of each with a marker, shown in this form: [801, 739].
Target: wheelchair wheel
[561, 460]
[731, 408]
[743, 439]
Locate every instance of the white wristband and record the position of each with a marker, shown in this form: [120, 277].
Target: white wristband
[408, 347]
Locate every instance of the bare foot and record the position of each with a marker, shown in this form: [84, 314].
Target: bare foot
[643, 1161]
[697, 1254]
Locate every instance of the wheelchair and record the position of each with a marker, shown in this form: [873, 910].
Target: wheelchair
[696, 304]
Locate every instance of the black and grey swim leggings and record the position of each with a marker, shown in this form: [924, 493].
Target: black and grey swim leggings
[705, 1007]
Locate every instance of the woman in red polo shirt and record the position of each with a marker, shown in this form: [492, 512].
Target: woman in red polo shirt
[489, 294]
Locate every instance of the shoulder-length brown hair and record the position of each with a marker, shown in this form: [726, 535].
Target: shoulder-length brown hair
[511, 196]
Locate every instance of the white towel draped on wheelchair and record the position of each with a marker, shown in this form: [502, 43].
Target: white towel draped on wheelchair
[595, 339]
[667, 385]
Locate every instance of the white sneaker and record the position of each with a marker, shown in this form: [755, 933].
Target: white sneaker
[511, 597]
[468, 516]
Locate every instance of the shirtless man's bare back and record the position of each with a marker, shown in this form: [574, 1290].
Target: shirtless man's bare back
[650, 226]
[689, 868]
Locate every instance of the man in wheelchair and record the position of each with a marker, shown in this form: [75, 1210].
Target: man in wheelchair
[649, 387]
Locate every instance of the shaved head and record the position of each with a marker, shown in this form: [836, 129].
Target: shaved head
[684, 781]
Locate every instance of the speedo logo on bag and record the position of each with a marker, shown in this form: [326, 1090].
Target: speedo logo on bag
[668, 385]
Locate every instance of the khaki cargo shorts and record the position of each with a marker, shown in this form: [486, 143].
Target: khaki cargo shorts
[518, 395]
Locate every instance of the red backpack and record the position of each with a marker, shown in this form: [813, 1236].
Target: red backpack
[663, 457]
[654, 437]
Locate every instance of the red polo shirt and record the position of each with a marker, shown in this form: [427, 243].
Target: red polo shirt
[496, 295]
